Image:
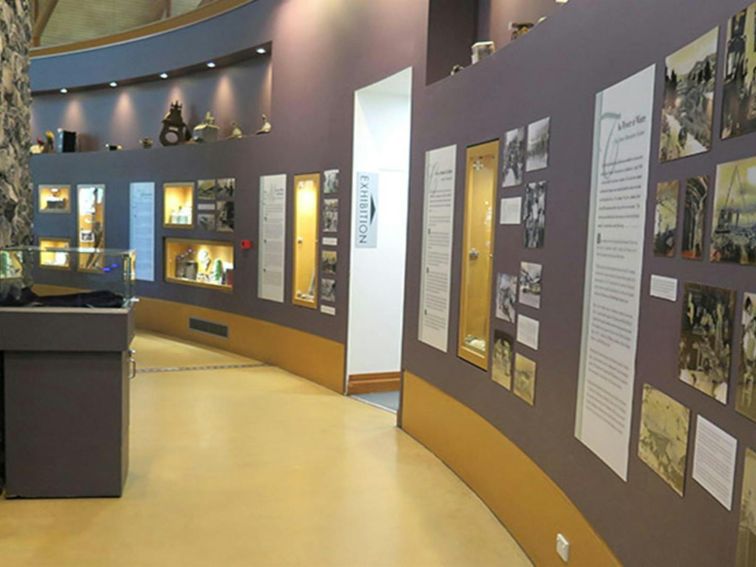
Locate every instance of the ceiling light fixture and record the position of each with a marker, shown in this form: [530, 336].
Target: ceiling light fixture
[262, 50]
[211, 64]
[64, 90]
[163, 75]
[113, 84]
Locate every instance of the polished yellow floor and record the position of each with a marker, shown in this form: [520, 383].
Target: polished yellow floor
[257, 467]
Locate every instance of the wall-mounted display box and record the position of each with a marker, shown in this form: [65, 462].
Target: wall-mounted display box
[54, 253]
[11, 265]
[91, 224]
[201, 263]
[178, 205]
[477, 253]
[54, 199]
[305, 272]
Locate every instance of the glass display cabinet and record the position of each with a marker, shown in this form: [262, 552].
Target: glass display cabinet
[477, 254]
[178, 205]
[55, 253]
[305, 272]
[54, 199]
[91, 223]
[201, 263]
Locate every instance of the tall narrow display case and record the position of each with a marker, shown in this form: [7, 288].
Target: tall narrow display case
[305, 272]
[91, 224]
[477, 254]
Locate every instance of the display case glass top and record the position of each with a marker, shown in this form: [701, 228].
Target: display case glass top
[55, 253]
[54, 199]
[305, 269]
[200, 263]
[477, 254]
[91, 224]
[178, 205]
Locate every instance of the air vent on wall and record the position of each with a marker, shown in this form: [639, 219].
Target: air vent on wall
[215, 329]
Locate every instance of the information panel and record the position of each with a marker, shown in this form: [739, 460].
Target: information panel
[142, 229]
[438, 232]
[622, 145]
[272, 262]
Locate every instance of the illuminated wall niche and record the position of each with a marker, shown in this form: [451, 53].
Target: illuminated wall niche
[305, 272]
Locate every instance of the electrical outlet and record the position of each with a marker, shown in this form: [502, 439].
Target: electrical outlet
[563, 547]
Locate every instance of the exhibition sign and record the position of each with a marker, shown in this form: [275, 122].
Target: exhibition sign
[271, 267]
[142, 229]
[366, 211]
[619, 187]
[438, 233]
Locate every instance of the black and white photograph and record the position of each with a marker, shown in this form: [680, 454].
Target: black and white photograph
[206, 189]
[513, 161]
[706, 339]
[733, 238]
[225, 216]
[503, 359]
[665, 222]
[331, 181]
[694, 217]
[688, 108]
[524, 379]
[530, 284]
[534, 214]
[328, 262]
[225, 189]
[539, 135]
[745, 554]
[328, 290]
[739, 105]
[330, 215]
[744, 398]
[206, 221]
[506, 297]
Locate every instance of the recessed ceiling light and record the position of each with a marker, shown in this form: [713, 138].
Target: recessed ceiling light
[211, 64]
[113, 84]
[64, 90]
[163, 75]
[262, 50]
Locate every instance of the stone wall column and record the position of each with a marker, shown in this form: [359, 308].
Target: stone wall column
[16, 201]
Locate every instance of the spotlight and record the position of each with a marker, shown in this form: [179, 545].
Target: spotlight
[64, 90]
[262, 50]
[163, 75]
[113, 84]
[211, 64]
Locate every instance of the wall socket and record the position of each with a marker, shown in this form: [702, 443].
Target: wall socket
[563, 547]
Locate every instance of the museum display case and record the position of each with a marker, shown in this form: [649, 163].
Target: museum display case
[54, 199]
[178, 205]
[55, 253]
[305, 272]
[477, 253]
[201, 263]
[91, 227]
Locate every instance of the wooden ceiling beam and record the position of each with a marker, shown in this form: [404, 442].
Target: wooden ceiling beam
[41, 21]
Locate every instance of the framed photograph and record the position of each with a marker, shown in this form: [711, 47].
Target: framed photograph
[524, 379]
[513, 161]
[745, 401]
[330, 181]
[207, 189]
[739, 107]
[225, 189]
[530, 284]
[224, 216]
[663, 440]
[733, 235]
[694, 217]
[328, 262]
[328, 290]
[506, 297]
[503, 359]
[688, 108]
[746, 547]
[539, 136]
[534, 214]
[665, 220]
[206, 221]
[706, 339]
[330, 215]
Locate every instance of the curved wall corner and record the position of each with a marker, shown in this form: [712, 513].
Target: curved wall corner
[531, 505]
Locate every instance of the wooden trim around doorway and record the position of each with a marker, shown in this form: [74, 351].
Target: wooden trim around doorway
[377, 382]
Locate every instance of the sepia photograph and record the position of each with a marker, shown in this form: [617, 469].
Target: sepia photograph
[733, 237]
[739, 104]
[744, 398]
[331, 181]
[663, 439]
[534, 214]
[706, 339]
[506, 297]
[524, 379]
[688, 108]
[530, 284]
[328, 290]
[330, 215]
[225, 189]
[694, 217]
[745, 554]
[224, 220]
[207, 189]
[503, 359]
[328, 262]
[539, 135]
[206, 221]
[665, 223]
[514, 158]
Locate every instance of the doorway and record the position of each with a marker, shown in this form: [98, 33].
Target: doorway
[380, 195]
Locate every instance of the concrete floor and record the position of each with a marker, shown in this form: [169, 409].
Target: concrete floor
[256, 467]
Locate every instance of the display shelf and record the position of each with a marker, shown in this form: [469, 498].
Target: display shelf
[54, 257]
[91, 225]
[477, 254]
[178, 205]
[54, 199]
[200, 263]
[305, 271]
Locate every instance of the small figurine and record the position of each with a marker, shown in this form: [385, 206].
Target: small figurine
[113, 147]
[175, 131]
[266, 126]
[236, 132]
[456, 69]
[146, 143]
[481, 50]
[206, 131]
[49, 142]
